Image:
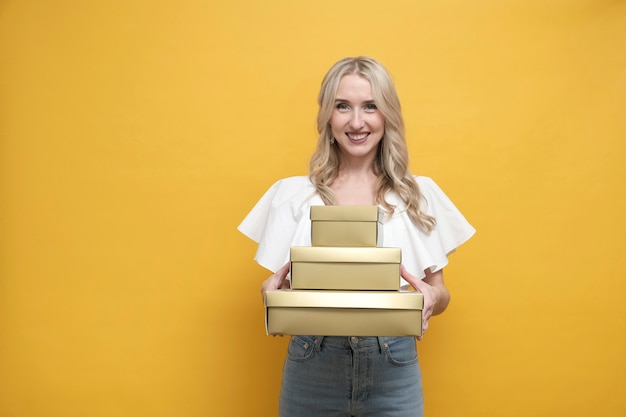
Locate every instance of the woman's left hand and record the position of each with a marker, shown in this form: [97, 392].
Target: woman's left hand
[278, 280]
[436, 296]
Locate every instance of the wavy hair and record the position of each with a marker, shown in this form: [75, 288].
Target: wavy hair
[392, 157]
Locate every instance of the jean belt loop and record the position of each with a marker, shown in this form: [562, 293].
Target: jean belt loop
[383, 344]
[318, 343]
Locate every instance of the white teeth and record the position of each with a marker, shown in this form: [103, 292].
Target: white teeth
[358, 137]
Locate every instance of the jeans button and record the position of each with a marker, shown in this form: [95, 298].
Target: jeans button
[354, 339]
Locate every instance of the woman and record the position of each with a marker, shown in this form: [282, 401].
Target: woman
[361, 159]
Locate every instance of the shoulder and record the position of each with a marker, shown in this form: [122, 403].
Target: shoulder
[429, 188]
[286, 189]
[296, 181]
[425, 182]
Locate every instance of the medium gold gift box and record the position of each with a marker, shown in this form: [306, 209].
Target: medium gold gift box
[346, 226]
[344, 313]
[326, 268]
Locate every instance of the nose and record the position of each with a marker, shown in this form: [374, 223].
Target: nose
[356, 121]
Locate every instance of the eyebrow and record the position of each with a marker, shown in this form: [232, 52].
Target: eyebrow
[348, 101]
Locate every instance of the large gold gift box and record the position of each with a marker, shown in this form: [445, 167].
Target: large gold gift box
[344, 313]
[326, 268]
[348, 226]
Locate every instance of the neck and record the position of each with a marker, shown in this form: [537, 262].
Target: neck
[354, 184]
[356, 167]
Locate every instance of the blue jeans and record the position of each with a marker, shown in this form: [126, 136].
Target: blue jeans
[331, 376]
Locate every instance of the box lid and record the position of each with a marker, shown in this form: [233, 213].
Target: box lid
[345, 254]
[392, 300]
[346, 213]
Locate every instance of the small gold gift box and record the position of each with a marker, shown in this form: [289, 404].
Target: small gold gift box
[347, 226]
[332, 268]
[344, 313]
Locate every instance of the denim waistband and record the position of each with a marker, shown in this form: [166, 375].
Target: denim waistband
[355, 342]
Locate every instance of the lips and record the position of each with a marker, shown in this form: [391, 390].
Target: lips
[357, 136]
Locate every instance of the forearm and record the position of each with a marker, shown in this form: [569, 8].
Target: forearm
[441, 295]
[442, 300]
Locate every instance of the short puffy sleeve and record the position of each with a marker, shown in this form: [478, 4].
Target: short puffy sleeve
[280, 219]
[423, 250]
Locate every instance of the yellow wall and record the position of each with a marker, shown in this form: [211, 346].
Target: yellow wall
[134, 136]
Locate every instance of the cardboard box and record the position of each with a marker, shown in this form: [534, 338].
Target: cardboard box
[326, 268]
[347, 313]
[346, 226]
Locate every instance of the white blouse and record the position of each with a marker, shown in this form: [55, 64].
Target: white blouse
[280, 220]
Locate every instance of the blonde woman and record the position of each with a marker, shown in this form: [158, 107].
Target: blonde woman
[361, 159]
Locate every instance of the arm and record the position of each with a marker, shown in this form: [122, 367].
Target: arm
[436, 295]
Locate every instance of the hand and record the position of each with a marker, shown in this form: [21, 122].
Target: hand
[431, 296]
[276, 281]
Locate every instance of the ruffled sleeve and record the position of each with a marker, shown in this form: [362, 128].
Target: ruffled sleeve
[422, 250]
[280, 219]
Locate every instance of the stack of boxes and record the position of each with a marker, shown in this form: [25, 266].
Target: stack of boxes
[345, 284]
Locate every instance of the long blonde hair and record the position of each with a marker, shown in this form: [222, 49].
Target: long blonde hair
[392, 158]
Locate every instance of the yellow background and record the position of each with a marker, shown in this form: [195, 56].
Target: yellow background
[134, 137]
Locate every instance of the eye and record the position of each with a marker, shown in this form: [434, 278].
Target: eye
[342, 106]
[370, 107]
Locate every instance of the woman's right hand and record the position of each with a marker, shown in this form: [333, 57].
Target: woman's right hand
[276, 281]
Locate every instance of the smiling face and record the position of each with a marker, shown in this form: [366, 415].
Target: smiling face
[356, 123]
